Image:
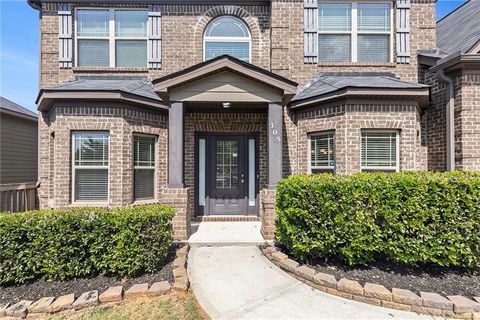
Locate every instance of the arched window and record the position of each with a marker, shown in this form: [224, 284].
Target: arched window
[227, 35]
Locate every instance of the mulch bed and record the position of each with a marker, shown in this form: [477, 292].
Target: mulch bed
[40, 288]
[423, 278]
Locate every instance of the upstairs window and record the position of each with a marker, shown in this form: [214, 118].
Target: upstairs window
[354, 32]
[380, 151]
[322, 152]
[227, 35]
[111, 38]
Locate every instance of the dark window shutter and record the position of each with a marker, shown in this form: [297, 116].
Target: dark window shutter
[310, 20]
[403, 31]
[154, 37]
[65, 43]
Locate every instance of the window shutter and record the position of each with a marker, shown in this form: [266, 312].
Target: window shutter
[403, 31]
[154, 37]
[310, 42]
[65, 35]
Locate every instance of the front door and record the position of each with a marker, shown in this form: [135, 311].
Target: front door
[227, 179]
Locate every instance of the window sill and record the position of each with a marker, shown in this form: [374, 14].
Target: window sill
[110, 70]
[149, 201]
[89, 204]
[357, 64]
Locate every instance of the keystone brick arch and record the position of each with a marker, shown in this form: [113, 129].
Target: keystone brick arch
[227, 10]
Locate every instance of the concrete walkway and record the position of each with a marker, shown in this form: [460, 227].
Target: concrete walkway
[240, 283]
[225, 233]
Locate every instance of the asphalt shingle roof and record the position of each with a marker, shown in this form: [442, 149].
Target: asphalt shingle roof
[328, 82]
[12, 106]
[139, 87]
[460, 30]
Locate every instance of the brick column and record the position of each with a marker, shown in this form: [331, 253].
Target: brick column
[178, 198]
[268, 213]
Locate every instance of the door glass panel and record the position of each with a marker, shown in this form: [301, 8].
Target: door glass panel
[201, 172]
[251, 172]
[226, 176]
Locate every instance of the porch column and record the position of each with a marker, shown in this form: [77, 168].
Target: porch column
[176, 116]
[275, 132]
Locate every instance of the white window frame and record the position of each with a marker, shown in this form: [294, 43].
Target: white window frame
[111, 36]
[154, 167]
[228, 39]
[74, 167]
[354, 32]
[316, 134]
[397, 152]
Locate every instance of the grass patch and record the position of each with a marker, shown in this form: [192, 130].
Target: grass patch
[166, 307]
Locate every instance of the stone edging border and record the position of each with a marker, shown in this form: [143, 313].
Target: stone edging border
[50, 305]
[427, 303]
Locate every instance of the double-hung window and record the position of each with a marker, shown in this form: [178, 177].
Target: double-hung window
[380, 150]
[322, 152]
[354, 31]
[90, 166]
[111, 37]
[144, 167]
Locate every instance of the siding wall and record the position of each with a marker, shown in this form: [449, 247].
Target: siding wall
[18, 149]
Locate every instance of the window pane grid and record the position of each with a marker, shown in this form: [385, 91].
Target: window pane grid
[322, 151]
[90, 166]
[354, 32]
[379, 150]
[117, 38]
[144, 167]
[226, 164]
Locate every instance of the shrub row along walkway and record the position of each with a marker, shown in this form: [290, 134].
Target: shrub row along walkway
[240, 283]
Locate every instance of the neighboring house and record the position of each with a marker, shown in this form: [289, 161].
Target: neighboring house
[18, 156]
[204, 105]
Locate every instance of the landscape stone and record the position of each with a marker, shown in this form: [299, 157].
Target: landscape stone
[434, 300]
[326, 280]
[270, 249]
[279, 256]
[288, 264]
[406, 297]
[3, 308]
[158, 288]
[305, 272]
[179, 262]
[397, 306]
[62, 303]
[182, 252]
[430, 311]
[372, 301]
[350, 286]
[19, 309]
[137, 290]
[87, 299]
[179, 272]
[112, 294]
[181, 284]
[41, 305]
[377, 291]
[463, 305]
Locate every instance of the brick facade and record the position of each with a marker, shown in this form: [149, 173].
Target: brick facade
[277, 46]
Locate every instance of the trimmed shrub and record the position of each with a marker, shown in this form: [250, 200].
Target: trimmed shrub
[412, 218]
[61, 244]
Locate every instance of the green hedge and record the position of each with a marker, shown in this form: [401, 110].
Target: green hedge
[413, 218]
[61, 244]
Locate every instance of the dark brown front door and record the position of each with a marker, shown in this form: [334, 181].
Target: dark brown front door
[223, 166]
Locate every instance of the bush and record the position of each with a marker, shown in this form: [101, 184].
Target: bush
[412, 218]
[61, 244]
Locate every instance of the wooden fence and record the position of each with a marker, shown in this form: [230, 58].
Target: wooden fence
[18, 197]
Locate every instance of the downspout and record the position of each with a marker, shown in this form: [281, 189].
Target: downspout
[450, 117]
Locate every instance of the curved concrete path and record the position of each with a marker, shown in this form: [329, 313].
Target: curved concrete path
[238, 282]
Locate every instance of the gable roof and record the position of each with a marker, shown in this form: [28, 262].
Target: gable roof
[223, 63]
[331, 85]
[16, 109]
[137, 90]
[459, 30]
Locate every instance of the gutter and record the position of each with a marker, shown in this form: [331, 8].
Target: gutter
[450, 115]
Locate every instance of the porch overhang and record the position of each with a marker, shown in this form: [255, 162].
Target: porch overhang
[225, 78]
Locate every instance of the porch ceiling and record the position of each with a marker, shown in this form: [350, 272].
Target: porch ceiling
[225, 79]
